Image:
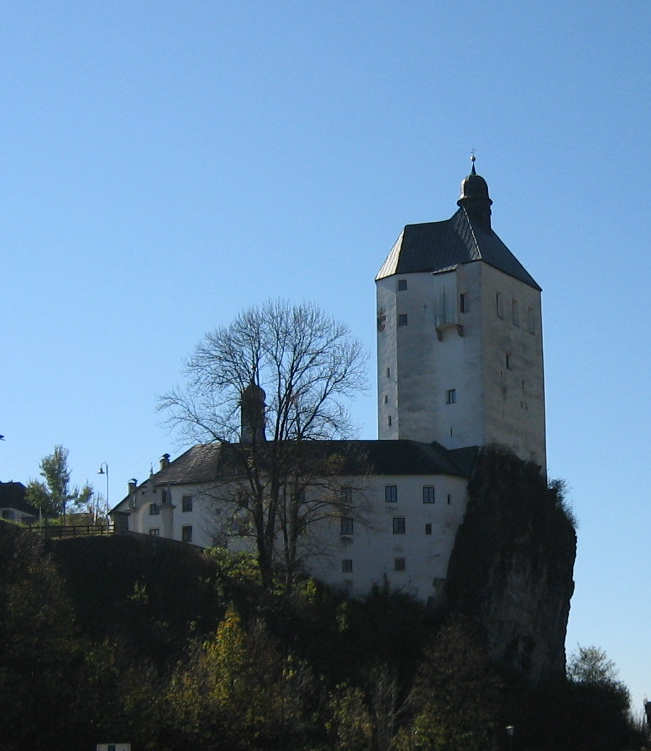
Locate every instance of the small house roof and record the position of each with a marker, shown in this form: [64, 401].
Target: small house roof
[12, 495]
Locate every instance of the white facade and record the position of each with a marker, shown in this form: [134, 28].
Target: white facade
[188, 513]
[400, 531]
[405, 544]
[460, 360]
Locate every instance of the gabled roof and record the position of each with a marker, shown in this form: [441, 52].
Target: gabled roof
[438, 246]
[206, 463]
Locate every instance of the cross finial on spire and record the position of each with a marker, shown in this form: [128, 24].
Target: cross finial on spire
[472, 159]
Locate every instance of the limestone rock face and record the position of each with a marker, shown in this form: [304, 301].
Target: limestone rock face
[512, 562]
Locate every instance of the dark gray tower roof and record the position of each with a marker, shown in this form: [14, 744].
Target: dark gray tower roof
[466, 237]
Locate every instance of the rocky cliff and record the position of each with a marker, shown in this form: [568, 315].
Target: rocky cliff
[512, 563]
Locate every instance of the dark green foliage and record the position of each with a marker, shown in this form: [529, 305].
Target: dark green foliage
[563, 715]
[52, 496]
[168, 647]
[40, 656]
[148, 594]
[456, 697]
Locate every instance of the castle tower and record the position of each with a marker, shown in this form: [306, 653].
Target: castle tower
[460, 357]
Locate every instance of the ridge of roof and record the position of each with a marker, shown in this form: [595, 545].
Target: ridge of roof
[433, 246]
[204, 463]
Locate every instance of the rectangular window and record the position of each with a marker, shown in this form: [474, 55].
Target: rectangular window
[347, 525]
[428, 494]
[508, 361]
[499, 305]
[428, 529]
[515, 312]
[388, 372]
[391, 493]
[186, 503]
[399, 525]
[154, 509]
[386, 399]
[463, 303]
[166, 496]
[347, 566]
[449, 499]
[389, 420]
[154, 532]
[402, 285]
[451, 396]
[399, 564]
[402, 319]
[186, 533]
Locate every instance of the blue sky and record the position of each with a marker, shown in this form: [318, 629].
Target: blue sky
[164, 165]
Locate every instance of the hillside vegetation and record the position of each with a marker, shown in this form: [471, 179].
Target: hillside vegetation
[144, 640]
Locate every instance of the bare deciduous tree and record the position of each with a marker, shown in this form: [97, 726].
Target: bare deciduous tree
[272, 382]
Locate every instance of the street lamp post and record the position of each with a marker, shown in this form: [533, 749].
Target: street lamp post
[104, 470]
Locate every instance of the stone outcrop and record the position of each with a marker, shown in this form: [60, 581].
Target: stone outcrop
[512, 563]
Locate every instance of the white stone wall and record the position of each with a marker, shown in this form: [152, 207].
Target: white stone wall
[443, 347]
[372, 547]
[514, 396]
[170, 520]
[438, 350]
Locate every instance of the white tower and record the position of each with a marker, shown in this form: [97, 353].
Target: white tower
[460, 356]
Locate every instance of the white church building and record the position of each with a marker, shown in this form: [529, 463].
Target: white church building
[459, 366]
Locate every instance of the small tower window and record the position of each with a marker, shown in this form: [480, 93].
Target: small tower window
[386, 399]
[402, 285]
[347, 566]
[388, 372]
[499, 305]
[402, 319]
[463, 303]
[449, 499]
[428, 529]
[347, 525]
[508, 361]
[389, 420]
[451, 396]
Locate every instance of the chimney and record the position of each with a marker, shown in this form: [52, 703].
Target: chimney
[164, 462]
[252, 414]
[132, 485]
